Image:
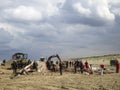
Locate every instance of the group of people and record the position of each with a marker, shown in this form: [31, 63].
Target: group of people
[69, 64]
[83, 66]
[20, 67]
[66, 64]
[58, 66]
[87, 67]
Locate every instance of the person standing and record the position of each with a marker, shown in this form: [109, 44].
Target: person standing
[70, 63]
[117, 66]
[81, 67]
[86, 65]
[67, 64]
[76, 64]
[4, 61]
[101, 68]
[14, 67]
[35, 65]
[60, 65]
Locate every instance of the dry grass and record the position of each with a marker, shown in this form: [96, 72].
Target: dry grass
[53, 81]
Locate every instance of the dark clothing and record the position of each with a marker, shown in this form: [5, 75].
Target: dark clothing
[35, 66]
[66, 64]
[75, 68]
[70, 63]
[29, 62]
[81, 66]
[4, 61]
[48, 65]
[60, 65]
[76, 64]
[53, 67]
[14, 67]
[19, 64]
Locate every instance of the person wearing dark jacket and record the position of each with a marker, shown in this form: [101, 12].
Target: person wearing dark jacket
[76, 64]
[35, 65]
[81, 67]
[14, 67]
[60, 65]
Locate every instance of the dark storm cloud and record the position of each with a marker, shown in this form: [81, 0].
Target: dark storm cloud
[67, 27]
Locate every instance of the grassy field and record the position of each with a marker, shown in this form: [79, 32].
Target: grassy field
[105, 59]
[68, 81]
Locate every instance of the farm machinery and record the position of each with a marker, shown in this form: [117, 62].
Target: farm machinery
[58, 66]
[21, 59]
[50, 64]
[18, 56]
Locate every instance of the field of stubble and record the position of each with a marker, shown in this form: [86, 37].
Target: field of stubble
[53, 81]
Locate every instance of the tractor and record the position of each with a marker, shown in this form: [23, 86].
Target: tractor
[18, 56]
[21, 59]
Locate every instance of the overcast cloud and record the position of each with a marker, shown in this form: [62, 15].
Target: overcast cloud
[70, 28]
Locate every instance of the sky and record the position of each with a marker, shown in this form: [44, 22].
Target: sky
[70, 28]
